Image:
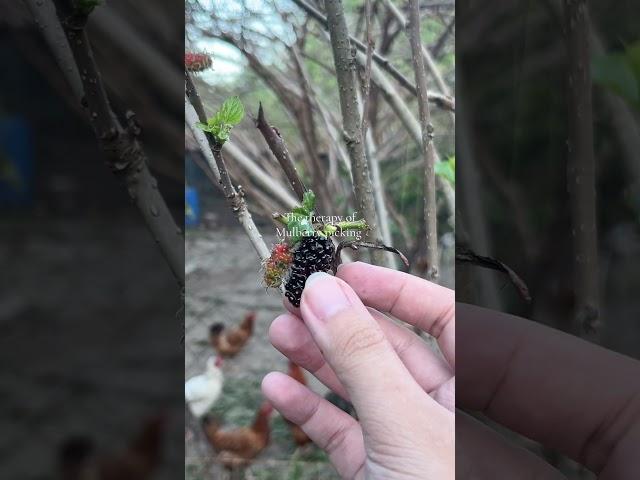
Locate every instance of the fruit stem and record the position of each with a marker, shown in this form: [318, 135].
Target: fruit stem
[332, 228]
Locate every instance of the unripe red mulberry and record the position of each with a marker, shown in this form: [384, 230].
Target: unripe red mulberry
[197, 62]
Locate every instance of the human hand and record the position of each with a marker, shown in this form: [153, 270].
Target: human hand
[403, 392]
[571, 396]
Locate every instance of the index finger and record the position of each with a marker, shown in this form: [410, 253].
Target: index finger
[412, 299]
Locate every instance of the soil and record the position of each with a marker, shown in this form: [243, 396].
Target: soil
[223, 284]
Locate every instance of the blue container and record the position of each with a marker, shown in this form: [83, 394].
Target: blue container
[16, 162]
[191, 207]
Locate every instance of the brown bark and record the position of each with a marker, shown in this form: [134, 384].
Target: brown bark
[125, 155]
[346, 77]
[581, 170]
[430, 207]
[279, 149]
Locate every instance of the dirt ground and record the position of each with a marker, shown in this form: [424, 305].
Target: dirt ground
[223, 283]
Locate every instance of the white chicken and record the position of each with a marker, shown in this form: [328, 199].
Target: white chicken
[202, 391]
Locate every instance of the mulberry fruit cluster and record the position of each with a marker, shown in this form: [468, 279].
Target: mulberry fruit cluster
[313, 254]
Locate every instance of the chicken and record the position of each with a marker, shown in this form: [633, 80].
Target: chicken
[299, 437]
[238, 446]
[202, 391]
[79, 460]
[228, 342]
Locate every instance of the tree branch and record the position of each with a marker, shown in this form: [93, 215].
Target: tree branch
[366, 81]
[430, 207]
[125, 156]
[581, 170]
[214, 159]
[466, 255]
[279, 149]
[345, 75]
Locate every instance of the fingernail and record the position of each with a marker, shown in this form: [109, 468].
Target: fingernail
[323, 296]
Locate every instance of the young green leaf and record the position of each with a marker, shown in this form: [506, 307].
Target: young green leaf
[300, 211]
[232, 111]
[230, 114]
[299, 226]
[309, 201]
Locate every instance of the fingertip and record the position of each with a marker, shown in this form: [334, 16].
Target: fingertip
[351, 268]
[282, 391]
[285, 332]
[273, 384]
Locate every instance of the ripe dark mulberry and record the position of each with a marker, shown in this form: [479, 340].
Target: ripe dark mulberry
[313, 254]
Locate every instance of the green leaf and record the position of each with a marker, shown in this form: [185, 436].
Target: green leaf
[614, 71]
[309, 201]
[300, 211]
[232, 111]
[298, 226]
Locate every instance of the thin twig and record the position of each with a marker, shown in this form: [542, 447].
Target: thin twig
[366, 81]
[279, 149]
[355, 244]
[466, 255]
[428, 59]
[436, 50]
[214, 159]
[125, 155]
[309, 137]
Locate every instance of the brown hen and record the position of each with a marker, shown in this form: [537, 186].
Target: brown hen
[228, 342]
[237, 447]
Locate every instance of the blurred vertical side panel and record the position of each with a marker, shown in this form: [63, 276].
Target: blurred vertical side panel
[548, 239]
[91, 356]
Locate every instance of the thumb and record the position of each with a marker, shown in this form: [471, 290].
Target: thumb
[355, 347]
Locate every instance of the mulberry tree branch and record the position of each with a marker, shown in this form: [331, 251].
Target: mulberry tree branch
[125, 155]
[352, 128]
[366, 81]
[211, 151]
[430, 208]
[279, 149]
[581, 170]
